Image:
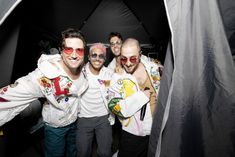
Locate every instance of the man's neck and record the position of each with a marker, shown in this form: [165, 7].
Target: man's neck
[72, 73]
[118, 60]
[93, 70]
[140, 73]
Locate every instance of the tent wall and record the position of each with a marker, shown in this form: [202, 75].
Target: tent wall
[8, 39]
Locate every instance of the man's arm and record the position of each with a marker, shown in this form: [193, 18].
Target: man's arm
[125, 100]
[16, 97]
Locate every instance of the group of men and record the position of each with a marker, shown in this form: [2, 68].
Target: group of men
[83, 99]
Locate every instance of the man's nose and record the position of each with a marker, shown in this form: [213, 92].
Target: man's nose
[74, 54]
[128, 63]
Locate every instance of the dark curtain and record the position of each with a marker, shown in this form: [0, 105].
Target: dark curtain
[196, 109]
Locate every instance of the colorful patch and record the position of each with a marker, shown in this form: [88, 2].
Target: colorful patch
[66, 99]
[129, 87]
[61, 85]
[46, 84]
[119, 81]
[3, 90]
[3, 100]
[105, 82]
[156, 78]
[155, 75]
[115, 107]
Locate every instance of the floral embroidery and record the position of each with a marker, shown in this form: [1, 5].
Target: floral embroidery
[155, 75]
[46, 84]
[3, 90]
[58, 86]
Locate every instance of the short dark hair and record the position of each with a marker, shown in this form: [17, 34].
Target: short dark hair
[115, 34]
[71, 33]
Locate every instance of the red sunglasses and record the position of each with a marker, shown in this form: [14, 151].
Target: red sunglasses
[132, 59]
[69, 50]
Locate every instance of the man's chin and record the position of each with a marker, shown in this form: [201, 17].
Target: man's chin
[117, 54]
[74, 66]
[129, 71]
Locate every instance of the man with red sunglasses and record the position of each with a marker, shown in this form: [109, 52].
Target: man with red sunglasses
[59, 79]
[133, 96]
[95, 119]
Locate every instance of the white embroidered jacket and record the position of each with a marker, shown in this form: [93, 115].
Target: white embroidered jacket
[126, 99]
[49, 81]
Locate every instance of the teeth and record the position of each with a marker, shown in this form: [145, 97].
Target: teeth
[73, 61]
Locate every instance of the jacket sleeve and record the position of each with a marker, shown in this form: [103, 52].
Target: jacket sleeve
[16, 97]
[125, 107]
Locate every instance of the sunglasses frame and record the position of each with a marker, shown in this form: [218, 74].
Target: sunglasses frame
[116, 43]
[132, 59]
[100, 56]
[70, 50]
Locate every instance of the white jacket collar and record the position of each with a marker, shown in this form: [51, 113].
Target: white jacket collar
[48, 65]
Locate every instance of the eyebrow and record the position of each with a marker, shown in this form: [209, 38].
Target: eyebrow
[130, 56]
[116, 42]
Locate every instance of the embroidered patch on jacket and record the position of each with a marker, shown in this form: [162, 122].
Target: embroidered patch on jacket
[3, 90]
[3, 100]
[155, 75]
[46, 84]
[62, 85]
[115, 107]
[129, 87]
[106, 83]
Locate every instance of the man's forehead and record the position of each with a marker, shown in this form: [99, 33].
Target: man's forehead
[129, 51]
[115, 38]
[73, 41]
[97, 50]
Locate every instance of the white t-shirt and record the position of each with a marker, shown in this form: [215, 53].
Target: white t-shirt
[92, 104]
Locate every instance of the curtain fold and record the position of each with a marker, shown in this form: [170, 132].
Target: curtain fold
[6, 7]
[196, 108]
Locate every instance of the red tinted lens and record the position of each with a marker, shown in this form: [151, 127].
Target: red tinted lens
[80, 51]
[133, 59]
[123, 60]
[68, 50]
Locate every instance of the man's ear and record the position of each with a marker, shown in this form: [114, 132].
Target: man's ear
[60, 50]
[140, 56]
[88, 57]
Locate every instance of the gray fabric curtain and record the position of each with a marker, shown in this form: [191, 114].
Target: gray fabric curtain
[196, 108]
[6, 6]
